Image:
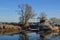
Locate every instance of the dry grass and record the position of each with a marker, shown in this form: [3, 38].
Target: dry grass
[9, 27]
[55, 29]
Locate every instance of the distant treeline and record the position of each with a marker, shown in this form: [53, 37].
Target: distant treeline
[16, 24]
[19, 24]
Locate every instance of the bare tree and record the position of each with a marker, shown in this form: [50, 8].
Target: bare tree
[26, 13]
[42, 17]
[55, 20]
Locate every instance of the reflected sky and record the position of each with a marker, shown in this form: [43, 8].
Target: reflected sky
[31, 36]
[9, 37]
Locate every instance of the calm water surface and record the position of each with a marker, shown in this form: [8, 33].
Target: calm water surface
[31, 36]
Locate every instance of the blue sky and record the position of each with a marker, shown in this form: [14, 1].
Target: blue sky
[9, 8]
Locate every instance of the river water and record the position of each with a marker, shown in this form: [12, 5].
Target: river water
[31, 36]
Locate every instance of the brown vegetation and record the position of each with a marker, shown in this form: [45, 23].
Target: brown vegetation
[6, 27]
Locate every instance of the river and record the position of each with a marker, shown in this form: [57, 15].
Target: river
[31, 36]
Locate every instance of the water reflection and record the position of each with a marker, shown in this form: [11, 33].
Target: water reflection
[23, 36]
[39, 36]
[30, 36]
[3, 32]
[49, 35]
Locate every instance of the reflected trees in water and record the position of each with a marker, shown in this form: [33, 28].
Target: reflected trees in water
[23, 36]
[34, 35]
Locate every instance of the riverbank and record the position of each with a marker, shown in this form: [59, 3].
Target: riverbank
[8, 28]
[5, 27]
